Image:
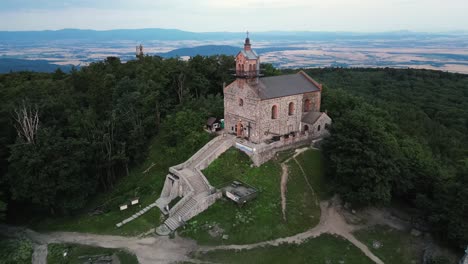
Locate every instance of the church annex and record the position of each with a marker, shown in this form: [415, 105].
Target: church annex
[262, 108]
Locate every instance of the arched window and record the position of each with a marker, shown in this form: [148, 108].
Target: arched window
[291, 109]
[274, 112]
[307, 105]
[241, 102]
[318, 128]
[306, 128]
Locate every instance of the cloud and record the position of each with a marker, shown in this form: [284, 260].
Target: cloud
[237, 15]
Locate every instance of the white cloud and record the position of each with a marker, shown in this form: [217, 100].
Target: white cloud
[240, 15]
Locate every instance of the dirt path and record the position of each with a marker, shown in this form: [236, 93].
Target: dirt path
[284, 188]
[331, 222]
[156, 249]
[148, 249]
[40, 254]
[284, 180]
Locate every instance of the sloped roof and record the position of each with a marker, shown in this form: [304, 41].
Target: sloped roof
[250, 54]
[286, 85]
[311, 117]
[211, 121]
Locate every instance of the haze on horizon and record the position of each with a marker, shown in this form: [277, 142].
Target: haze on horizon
[239, 15]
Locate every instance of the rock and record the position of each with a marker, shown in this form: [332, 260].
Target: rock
[415, 232]
[225, 237]
[376, 244]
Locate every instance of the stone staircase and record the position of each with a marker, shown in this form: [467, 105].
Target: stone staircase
[173, 222]
[198, 194]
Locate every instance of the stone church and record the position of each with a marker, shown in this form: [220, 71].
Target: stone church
[263, 108]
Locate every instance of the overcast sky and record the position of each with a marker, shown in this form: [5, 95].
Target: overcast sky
[237, 15]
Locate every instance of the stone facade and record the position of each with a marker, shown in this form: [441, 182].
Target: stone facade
[255, 110]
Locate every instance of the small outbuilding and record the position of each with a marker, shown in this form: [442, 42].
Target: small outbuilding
[240, 192]
[213, 124]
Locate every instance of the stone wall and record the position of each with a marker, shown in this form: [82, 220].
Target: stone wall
[241, 103]
[202, 205]
[233, 111]
[284, 123]
[265, 154]
[320, 127]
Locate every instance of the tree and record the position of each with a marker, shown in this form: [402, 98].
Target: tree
[359, 154]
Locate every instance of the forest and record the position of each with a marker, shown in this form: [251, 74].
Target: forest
[399, 135]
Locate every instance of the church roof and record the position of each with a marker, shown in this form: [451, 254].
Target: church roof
[250, 54]
[286, 85]
[311, 117]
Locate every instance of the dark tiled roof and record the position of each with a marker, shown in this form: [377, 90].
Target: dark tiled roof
[311, 117]
[286, 85]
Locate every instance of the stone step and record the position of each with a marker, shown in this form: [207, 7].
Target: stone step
[185, 208]
[198, 184]
[172, 223]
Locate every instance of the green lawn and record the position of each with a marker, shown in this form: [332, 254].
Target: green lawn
[13, 251]
[312, 163]
[396, 246]
[260, 219]
[325, 249]
[79, 253]
[147, 186]
[400, 247]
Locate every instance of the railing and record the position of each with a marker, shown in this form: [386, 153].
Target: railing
[247, 74]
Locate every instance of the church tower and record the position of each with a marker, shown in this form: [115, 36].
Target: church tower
[247, 62]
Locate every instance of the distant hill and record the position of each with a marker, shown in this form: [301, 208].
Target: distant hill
[175, 34]
[16, 65]
[208, 50]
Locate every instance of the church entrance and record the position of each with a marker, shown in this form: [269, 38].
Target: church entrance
[240, 129]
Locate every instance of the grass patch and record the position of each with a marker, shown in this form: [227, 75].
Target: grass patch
[312, 163]
[282, 156]
[14, 251]
[401, 247]
[74, 252]
[395, 246]
[326, 249]
[147, 186]
[260, 219]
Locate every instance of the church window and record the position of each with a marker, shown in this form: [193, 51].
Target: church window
[318, 128]
[241, 102]
[274, 112]
[291, 109]
[307, 105]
